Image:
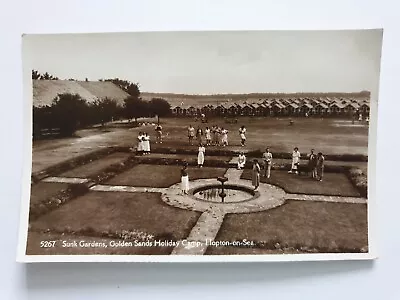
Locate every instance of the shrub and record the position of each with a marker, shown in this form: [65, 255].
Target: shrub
[359, 179]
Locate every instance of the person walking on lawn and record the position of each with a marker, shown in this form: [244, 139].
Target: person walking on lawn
[256, 174]
[267, 158]
[200, 155]
[158, 134]
[295, 161]
[242, 133]
[312, 164]
[320, 166]
[191, 134]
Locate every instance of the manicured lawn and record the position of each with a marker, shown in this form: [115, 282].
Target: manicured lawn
[333, 184]
[44, 190]
[114, 212]
[161, 176]
[34, 239]
[331, 136]
[96, 166]
[328, 227]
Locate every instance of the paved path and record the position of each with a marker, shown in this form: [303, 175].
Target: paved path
[205, 230]
[210, 221]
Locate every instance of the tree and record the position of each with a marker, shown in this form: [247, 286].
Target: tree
[134, 108]
[129, 87]
[159, 107]
[70, 112]
[104, 110]
[35, 75]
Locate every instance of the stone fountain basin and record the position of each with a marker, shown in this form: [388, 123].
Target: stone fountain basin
[235, 193]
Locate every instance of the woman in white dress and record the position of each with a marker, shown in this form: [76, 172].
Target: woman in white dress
[184, 179]
[241, 161]
[224, 138]
[140, 143]
[295, 161]
[146, 144]
[200, 156]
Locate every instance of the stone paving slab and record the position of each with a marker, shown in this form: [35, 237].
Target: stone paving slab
[205, 230]
[338, 199]
[65, 180]
[124, 188]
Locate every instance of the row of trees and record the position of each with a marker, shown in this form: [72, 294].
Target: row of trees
[69, 112]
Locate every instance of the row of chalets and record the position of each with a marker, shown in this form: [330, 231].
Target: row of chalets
[280, 106]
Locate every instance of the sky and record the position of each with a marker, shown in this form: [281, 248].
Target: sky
[216, 62]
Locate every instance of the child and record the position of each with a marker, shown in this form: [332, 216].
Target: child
[256, 174]
[320, 166]
[184, 179]
[241, 161]
[200, 156]
[267, 157]
[295, 161]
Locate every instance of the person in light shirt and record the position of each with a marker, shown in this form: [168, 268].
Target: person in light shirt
[241, 161]
[200, 156]
[267, 158]
[295, 161]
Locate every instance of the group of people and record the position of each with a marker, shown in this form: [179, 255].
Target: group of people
[315, 163]
[143, 140]
[213, 136]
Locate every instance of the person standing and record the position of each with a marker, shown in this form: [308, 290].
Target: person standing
[158, 134]
[207, 132]
[146, 143]
[218, 136]
[184, 179]
[295, 161]
[191, 134]
[256, 174]
[267, 157]
[242, 133]
[320, 166]
[199, 134]
[140, 143]
[214, 135]
[200, 156]
[312, 164]
[241, 161]
[224, 138]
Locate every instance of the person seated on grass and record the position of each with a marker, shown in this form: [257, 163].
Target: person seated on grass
[267, 158]
[312, 164]
[295, 161]
[200, 155]
[256, 174]
[191, 134]
[241, 161]
[320, 166]
[184, 179]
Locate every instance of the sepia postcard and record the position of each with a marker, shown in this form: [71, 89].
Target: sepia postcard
[203, 146]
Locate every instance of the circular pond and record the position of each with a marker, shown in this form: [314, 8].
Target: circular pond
[232, 193]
